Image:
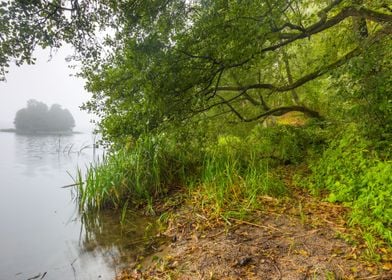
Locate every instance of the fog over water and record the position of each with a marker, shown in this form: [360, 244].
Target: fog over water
[43, 232]
[48, 81]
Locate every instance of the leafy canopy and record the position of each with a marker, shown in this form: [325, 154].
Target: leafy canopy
[155, 62]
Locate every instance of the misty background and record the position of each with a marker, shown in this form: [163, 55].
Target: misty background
[48, 81]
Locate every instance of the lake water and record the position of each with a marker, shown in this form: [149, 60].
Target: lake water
[41, 232]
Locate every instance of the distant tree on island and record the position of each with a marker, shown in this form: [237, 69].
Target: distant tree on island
[38, 118]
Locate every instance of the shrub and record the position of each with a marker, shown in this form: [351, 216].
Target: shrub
[373, 207]
[282, 143]
[340, 168]
[352, 173]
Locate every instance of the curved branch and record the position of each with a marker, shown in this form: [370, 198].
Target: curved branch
[232, 109]
[206, 57]
[324, 24]
[283, 110]
[273, 112]
[219, 103]
[297, 83]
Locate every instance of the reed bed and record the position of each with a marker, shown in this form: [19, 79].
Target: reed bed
[228, 173]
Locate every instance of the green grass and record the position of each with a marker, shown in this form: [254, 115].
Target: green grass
[228, 173]
[148, 169]
[234, 175]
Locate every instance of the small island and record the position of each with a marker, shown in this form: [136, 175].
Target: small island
[38, 118]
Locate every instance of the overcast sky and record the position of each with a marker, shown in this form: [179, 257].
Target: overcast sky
[46, 81]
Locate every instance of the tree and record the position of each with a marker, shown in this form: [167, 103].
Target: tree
[36, 117]
[28, 24]
[179, 60]
[60, 119]
[231, 59]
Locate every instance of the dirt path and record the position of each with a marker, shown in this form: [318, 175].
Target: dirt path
[297, 238]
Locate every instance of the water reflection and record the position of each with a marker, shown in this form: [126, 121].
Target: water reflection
[41, 229]
[53, 152]
[123, 242]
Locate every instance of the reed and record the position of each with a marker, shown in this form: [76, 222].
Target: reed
[137, 175]
[229, 173]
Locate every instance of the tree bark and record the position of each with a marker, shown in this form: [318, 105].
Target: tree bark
[294, 94]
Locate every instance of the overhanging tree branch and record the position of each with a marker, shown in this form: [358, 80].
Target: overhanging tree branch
[321, 25]
[324, 24]
[273, 112]
[298, 82]
[283, 110]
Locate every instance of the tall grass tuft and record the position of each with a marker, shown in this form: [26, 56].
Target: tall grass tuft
[147, 169]
[229, 173]
[234, 175]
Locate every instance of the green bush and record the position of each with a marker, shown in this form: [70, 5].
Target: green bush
[283, 143]
[352, 173]
[231, 171]
[373, 207]
[341, 166]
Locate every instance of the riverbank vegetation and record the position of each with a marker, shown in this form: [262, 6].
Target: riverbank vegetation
[220, 99]
[243, 91]
[232, 171]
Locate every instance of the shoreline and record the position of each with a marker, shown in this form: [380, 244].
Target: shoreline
[294, 237]
[41, 133]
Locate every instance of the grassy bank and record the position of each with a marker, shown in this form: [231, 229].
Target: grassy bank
[227, 174]
[230, 170]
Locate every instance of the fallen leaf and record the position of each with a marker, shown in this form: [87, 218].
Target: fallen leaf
[384, 250]
[387, 266]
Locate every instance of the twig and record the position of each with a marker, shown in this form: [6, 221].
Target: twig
[202, 217]
[73, 268]
[370, 277]
[277, 269]
[34, 277]
[223, 231]
[217, 234]
[307, 234]
[71, 185]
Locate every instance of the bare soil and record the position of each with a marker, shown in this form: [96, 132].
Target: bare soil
[296, 238]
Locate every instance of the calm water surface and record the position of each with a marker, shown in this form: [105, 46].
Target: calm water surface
[40, 228]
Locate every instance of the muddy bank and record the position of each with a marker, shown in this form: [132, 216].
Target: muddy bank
[300, 238]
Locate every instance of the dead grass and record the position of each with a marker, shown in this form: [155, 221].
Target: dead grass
[299, 237]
